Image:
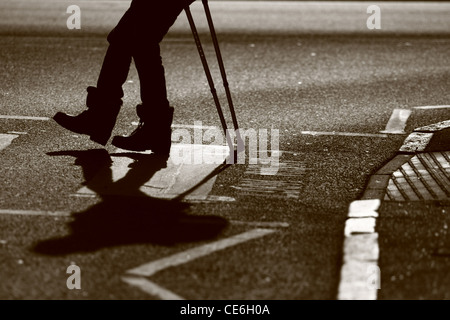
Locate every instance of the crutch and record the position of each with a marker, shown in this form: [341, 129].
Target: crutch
[222, 72]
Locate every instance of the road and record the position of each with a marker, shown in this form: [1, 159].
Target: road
[311, 72]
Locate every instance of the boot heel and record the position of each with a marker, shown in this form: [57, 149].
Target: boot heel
[153, 132]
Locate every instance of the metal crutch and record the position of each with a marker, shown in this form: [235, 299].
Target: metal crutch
[222, 72]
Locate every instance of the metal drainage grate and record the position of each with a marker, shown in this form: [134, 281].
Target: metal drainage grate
[424, 177]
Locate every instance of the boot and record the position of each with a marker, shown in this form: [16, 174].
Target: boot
[97, 121]
[153, 132]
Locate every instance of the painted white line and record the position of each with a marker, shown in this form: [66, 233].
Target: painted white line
[359, 226]
[364, 208]
[360, 276]
[397, 121]
[24, 118]
[208, 199]
[416, 142]
[35, 213]
[362, 247]
[260, 224]
[79, 195]
[18, 132]
[151, 268]
[187, 167]
[151, 288]
[6, 140]
[345, 134]
[434, 127]
[432, 107]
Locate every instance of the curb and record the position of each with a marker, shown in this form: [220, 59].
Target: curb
[360, 273]
[417, 142]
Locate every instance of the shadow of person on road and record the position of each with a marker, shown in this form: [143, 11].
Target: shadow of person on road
[134, 218]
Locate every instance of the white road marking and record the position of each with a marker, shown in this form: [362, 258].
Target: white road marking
[177, 259]
[359, 273]
[345, 134]
[360, 276]
[151, 288]
[35, 213]
[362, 247]
[261, 224]
[18, 132]
[79, 195]
[432, 107]
[24, 118]
[154, 267]
[416, 142]
[397, 121]
[6, 140]
[208, 199]
[364, 208]
[359, 226]
[187, 166]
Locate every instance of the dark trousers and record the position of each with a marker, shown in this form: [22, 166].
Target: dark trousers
[137, 36]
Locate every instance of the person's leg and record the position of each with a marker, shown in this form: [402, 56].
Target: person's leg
[152, 79]
[155, 113]
[152, 27]
[114, 72]
[105, 100]
[117, 61]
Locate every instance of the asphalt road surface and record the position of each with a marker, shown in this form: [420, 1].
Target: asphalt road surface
[313, 73]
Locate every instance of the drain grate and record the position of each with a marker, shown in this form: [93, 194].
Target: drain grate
[424, 177]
